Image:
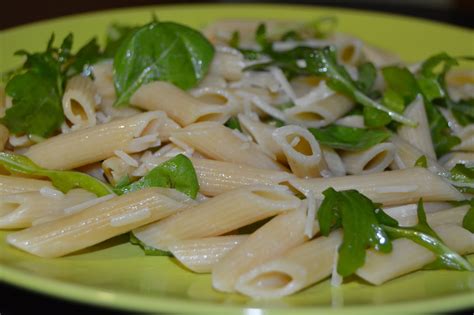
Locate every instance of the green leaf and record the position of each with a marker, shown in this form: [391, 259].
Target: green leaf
[163, 51]
[84, 58]
[430, 88]
[323, 26]
[402, 81]
[349, 138]
[233, 123]
[261, 37]
[291, 35]
[443, 60]
[393, 100]
[116, 34]
[177, 173]
[63, 180]
[359, 222]
[235, 40]
[367, 76]
[374, 118]
[463, 111]
[149, 250]
[464, 176]
[323, 62]
[422, 162]
[468, 220]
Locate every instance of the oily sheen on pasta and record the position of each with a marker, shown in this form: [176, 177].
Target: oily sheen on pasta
[271, 155]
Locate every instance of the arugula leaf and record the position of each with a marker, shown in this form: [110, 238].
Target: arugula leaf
[323, 26]
[291, 35]
[161, 51]
[63, 180]
[233, 123]
[422, 162]
[148, 250]
[464, 176]
[463, 111]
[468, 220]
[323, 62]
[177, 173]
[36, 92]
[235, 40]
[367, 76]
[402, 81]
[349, 138]
[84, 58]
[356, 214]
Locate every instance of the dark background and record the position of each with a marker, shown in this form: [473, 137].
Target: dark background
[13, 13]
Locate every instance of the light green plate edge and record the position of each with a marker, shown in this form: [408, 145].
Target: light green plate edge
[116, 274]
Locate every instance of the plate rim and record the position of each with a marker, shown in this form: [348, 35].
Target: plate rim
[88, 295]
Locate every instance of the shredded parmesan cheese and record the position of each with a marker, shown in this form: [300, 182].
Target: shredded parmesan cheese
[87, 204]
[126, 158]
[51, 193]
[396, 189]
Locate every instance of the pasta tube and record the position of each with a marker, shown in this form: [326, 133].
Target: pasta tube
[389, 188]
[373, 160]
[219, 215]
[79, 102]
[95, 224]
[13, 184]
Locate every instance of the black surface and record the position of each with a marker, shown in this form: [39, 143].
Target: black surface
[15, 300]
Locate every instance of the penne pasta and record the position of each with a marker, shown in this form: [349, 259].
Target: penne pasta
[95, 224]
[320, 113]
[466, 135]
[85, 146]
[116, 169]
[389, 188]
[228, 64]
[13, 184]
[419, 136]
[451, 159]
[301, 150]
[373, 160]
[178, 105]
[295, 270]
[335, 164]
[221, 143]
[219, 215]
[79, 102]
[200, 255]
[21, 210]
[264, 244]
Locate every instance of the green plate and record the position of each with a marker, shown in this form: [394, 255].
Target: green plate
[117, 274]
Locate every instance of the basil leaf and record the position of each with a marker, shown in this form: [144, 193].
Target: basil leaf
[349, 138]
[422, 162]
[361, 229]
[468, 220]
[233, 123]
[177, 173]
[63, 180]
[148, 250]
[161, 51]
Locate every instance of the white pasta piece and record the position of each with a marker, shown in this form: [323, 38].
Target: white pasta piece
[20, 141]
[349, 50]
[219, 215]
[259, 83]
[467, 139]
[451, 159]
[212, 80]
[219, 142]
[407, 256]
[262, 134]
[116, 169]
[317, 94]
[89, 145]
[262, 105]
[406, 215]
[200, 255]
[387, 188]
[284, 84]
[266, 243]
[229, 65]
[419, 136]
[380, 58]
[179, 105]
[452, 121]
[333, 160]
[79, 102]
[4, 135]
[217, 177]
[87, 204]
[130, 161]
[297, 269]
[301, 149]
[20, 210]
[217, 96]
[319, 113]
[13, 184]
[406, 156]
[354, 121]
[95, 224]
[460, 84]
[373, 160]
[103, 79]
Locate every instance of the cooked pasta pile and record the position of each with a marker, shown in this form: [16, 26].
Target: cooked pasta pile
[272, 155]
